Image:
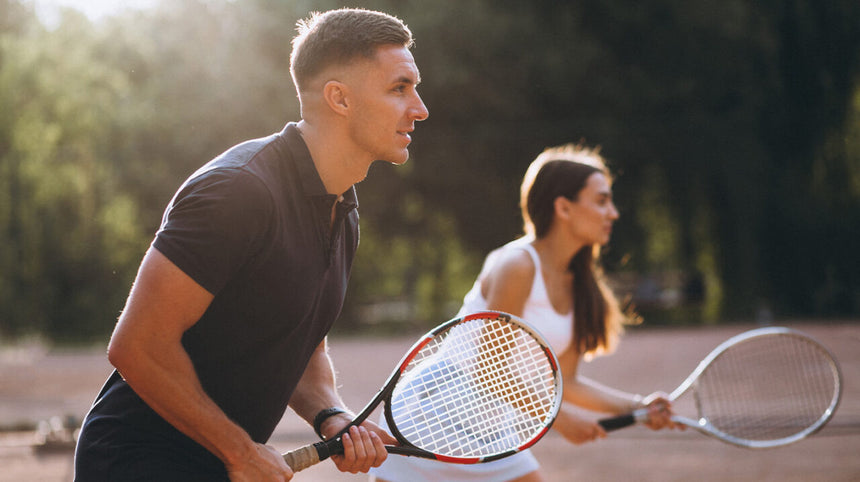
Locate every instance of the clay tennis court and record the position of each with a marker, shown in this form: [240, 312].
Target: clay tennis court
[37, 384]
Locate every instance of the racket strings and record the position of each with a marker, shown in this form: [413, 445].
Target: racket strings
[482, 388]
[768, 388]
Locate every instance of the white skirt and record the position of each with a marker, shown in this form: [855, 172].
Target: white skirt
[400, 468]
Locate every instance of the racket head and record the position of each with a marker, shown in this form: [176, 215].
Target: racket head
[475, 389]
[764, 388]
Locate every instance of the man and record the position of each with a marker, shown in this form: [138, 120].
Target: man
[226, 321]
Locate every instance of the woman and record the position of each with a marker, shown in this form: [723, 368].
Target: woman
[550, 278]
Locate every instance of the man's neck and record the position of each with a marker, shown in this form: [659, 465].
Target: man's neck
[338, 169]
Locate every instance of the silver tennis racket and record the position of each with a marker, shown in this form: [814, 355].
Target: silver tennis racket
[763, 388]
[474, 389]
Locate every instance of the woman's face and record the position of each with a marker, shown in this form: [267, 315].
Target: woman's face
[592, 214]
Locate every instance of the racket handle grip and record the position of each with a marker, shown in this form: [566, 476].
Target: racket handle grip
[622, 421]
[309, 455]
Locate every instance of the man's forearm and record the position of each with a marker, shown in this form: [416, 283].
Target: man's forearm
[316, 389]
[168, 383]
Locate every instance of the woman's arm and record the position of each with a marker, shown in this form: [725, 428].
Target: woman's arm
[591, 395]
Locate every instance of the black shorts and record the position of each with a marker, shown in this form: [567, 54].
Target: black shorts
[122, 439]
[102, 456]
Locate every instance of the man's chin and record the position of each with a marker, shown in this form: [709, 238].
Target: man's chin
[396, 160]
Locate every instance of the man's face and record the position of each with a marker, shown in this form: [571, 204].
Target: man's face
[386, 104]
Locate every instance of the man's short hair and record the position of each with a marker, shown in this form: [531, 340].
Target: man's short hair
[339, 37]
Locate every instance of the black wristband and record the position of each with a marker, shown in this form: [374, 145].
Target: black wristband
[323, 415]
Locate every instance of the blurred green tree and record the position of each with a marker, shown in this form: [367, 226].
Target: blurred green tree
[69, 234]
[732, 127]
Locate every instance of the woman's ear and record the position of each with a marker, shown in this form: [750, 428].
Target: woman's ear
[335, 95]
[562, 207]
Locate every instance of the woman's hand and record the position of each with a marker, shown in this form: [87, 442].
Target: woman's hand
[576, 429]
[660, 412]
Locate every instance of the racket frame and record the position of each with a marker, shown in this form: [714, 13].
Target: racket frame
[305, 456]
[703, 425]
[407, 448]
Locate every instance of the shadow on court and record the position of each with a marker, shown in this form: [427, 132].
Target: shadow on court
[36, 384]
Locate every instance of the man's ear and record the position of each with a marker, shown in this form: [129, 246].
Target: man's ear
[335, 95]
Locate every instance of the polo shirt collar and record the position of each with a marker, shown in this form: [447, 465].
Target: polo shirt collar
[310, 180]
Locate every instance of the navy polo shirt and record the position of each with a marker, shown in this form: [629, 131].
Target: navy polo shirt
[252, 227]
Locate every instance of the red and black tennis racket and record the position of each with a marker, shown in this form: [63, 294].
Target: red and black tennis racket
[762, 388]
[474, 389]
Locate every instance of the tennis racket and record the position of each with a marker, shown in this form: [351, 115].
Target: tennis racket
[474, 389]
[763, 388]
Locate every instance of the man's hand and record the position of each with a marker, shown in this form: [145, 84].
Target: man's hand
[363, 445]
[265, 464]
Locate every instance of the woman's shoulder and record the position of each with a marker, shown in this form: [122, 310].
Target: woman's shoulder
[511, 259]
[509, 270]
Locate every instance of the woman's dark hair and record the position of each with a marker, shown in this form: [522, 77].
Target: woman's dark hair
[564, 171]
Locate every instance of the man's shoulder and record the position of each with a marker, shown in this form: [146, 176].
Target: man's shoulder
[248, 162]
[271, 166]
[244, 153]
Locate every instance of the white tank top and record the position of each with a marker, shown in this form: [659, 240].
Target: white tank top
[556, 328]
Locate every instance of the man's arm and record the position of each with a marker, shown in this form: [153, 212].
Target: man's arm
[317, 390]
[146, 348]
[364, 446]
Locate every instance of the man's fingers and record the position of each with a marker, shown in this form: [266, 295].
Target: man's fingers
[379, 447]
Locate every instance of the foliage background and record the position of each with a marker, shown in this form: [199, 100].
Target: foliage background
[733, 126]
